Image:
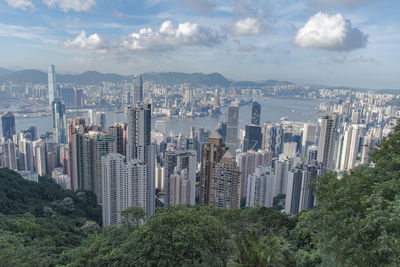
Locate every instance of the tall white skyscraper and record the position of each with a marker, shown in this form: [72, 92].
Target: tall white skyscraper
[51, 76]
[139, 148]
[176, 162]
[137, 94]
[260, 188]
[113, 191]
[9, 154]
[40, 157]
[26, 154]
[348, 149]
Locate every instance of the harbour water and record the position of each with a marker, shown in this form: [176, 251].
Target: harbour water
[272, 110]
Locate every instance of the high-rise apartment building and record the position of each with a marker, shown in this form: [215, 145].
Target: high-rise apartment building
[212, 153]
[327, 137]
[225, 183]
[348, 148]
[8, 125]
[26, 155]
[248, 162]
[114, 188]
[40, 157]
[139, 148]
[260, 187]
[10, 155]
[293, 191]
[175, 162]
[118, 133]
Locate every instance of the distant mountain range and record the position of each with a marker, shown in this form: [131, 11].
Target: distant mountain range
[164, 78]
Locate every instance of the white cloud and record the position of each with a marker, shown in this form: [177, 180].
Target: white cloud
[330, 32]
[22, 32]
[168, 37]
[247, 26]
[21, 4]
[65, 5]
[91, 42]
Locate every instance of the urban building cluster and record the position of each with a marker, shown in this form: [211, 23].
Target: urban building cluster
[129, 164]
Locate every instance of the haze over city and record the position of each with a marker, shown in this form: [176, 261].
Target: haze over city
[337, 43]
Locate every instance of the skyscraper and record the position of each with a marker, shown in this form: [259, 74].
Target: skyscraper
[212, 152]
[114, 188]
[139, 148]
[309, 136]
[326, 144]
[260, 188]
[8, 124]
[26, 154]
[252, 138]
[255, 113]
[232, 128]
[348, 148]
[101, 120]
[118, 134]
[293, 191]
[59, 121]
[175, 162]
[268, 137]
[102, 145]
[10, 155]
[225, 183]
[51, 77]
[137, 94]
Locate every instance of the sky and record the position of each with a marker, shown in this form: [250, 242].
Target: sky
[323, 42]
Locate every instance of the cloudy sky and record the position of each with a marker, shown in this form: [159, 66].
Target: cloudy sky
[332, 42]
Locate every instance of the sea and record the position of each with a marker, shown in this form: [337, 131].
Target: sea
[273, 109]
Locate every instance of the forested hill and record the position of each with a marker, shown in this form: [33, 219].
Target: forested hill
[356, 223]
[39, 222]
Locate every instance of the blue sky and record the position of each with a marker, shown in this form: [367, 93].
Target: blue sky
[332, 42]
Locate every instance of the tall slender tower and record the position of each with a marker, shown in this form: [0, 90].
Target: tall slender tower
[59, 121]
[140, 149]
[137, 95]
[232, 128]
[51, 76]
[326, 144]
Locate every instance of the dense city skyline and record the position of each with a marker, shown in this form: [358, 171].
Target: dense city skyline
[243, 40]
